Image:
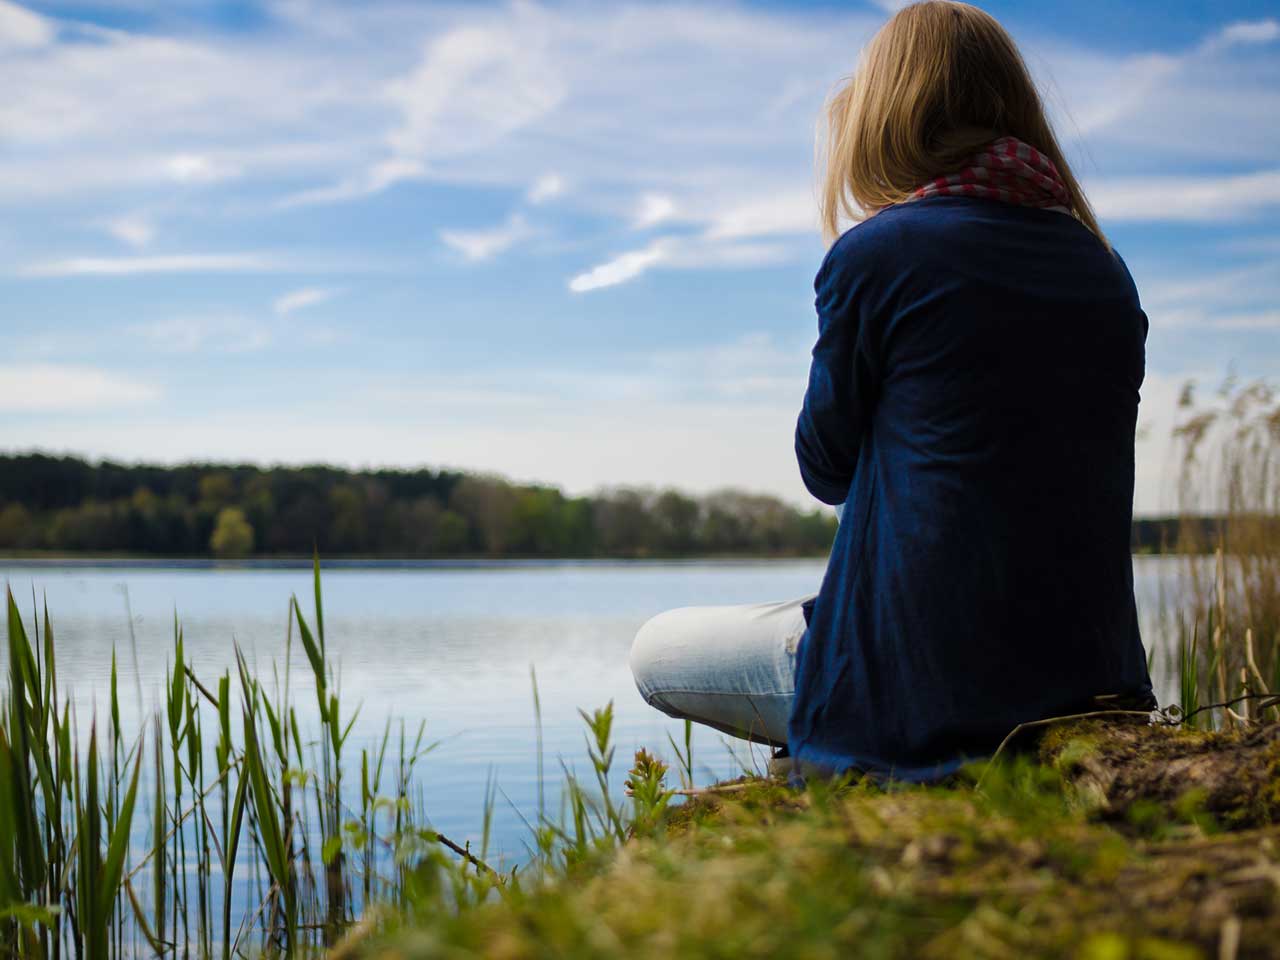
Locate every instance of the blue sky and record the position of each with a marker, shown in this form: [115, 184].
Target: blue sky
[567, 242]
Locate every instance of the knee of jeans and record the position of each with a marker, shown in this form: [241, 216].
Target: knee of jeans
[649, 655]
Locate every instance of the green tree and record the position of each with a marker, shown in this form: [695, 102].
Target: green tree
[676, 518]
[216, 488]
[348, 529]
[232, 535]
[488, 506]
[622, 523]
[17, 527]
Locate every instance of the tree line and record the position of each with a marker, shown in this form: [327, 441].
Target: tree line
[70, 505]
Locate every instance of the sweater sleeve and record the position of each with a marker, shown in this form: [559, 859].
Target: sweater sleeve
[837, 403]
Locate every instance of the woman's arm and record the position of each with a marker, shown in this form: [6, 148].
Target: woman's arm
[837, 404]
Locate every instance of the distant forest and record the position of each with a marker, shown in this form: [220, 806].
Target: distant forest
[65, 505]
[68, 505]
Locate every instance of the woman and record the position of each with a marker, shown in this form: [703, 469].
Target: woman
[972, 402]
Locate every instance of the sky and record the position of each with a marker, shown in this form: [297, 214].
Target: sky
[571, 243]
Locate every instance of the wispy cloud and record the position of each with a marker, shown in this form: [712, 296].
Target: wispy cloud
[174, 263]
[486, 243]
[680, 253]
[221, 334]
[545, 188]
[1163, 198]
[22, 29]
[378, 177]
[624, 267]
[1242, 33]
[1233, 298]
[300, 299]
[44, 388]
[653, 209]
[789, 212]
[136, 231]
[198, 168]
[1207, 101]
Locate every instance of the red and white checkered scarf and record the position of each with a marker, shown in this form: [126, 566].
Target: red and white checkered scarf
[1007, 170]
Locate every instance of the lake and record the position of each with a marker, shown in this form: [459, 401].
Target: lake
[453, 645]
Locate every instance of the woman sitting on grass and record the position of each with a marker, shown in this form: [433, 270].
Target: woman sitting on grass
[972, 403]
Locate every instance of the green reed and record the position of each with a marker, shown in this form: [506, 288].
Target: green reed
[250, 845]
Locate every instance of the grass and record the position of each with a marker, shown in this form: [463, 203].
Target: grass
[1015, 870]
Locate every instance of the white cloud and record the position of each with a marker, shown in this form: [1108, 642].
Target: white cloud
[620, 269]
[1240, 297]
[1243, 33]
[175, 263]
[1211, 101]
[1165, 198]
[44, 388]
[224, 334]
[482, 244]
[1130, 84]
[475, 84]
[197, 168]
[793, 211]
[380, 176]
[299, 299]
[134, 230]
[682, 253]
[546, 188]
[653, 209]
[21, 29]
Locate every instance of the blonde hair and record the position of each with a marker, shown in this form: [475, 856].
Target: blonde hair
[940, 81]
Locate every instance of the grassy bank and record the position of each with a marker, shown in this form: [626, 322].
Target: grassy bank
[1036, 858]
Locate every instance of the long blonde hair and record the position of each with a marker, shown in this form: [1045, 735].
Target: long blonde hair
[939, 81]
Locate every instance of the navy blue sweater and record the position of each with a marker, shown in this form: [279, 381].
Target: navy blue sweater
[972, 400]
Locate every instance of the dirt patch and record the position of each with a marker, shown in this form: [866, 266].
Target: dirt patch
[1135, 772]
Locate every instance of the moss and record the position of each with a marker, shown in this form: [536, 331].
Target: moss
[1267, 807]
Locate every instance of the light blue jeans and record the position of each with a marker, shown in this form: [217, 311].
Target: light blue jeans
[732, 668]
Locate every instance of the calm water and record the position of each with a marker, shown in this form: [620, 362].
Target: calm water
[451, 645]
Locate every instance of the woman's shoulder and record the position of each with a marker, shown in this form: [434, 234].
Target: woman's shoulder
[859, 249]
[883, 235]
[978, 238]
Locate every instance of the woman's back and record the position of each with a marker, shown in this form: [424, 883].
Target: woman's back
[973, 398]
[972, 401]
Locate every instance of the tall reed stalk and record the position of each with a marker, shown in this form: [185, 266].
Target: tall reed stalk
[1225, 592]
[229, 771]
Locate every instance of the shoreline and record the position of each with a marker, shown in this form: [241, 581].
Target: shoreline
[389, 563]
